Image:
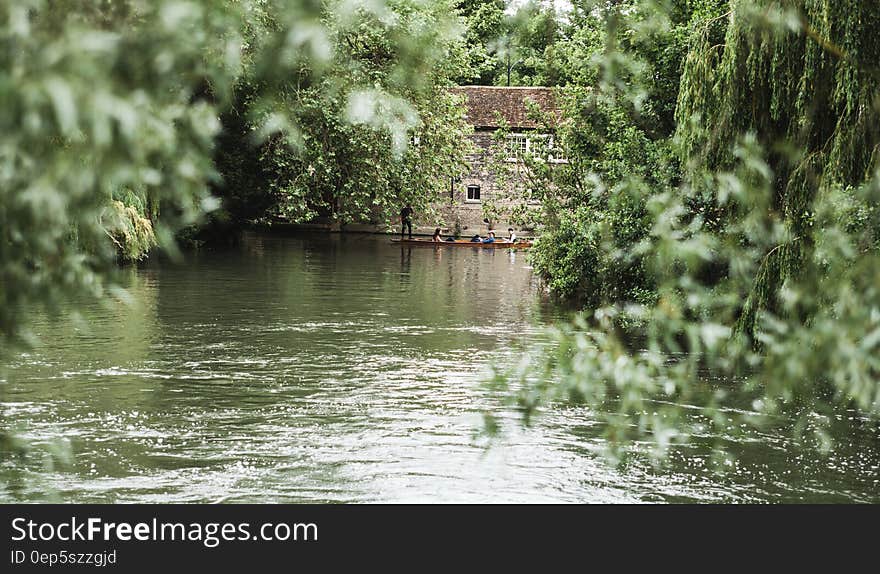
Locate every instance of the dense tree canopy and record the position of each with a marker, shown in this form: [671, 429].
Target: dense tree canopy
[342, 162]
[741, 210]
[802, 77]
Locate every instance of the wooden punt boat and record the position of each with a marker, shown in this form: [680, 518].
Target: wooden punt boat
[464, 243]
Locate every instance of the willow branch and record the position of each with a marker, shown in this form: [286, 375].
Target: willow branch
[834, 49]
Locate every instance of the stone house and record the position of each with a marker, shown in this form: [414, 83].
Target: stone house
[488, 109]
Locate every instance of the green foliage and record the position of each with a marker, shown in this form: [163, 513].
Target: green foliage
[376, 130]
[485, 22]
[351, 172]
[517, 48]
[803, 77]
[127, 227]
[96, 98]
[621, 67]
[527, 52]
[99, 98]
[764, 257]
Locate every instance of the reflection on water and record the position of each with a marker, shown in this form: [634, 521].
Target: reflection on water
[342, 368]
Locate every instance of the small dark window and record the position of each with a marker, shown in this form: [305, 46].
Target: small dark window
[473, 193]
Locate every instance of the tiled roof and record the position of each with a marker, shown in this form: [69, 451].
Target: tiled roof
[484, 101]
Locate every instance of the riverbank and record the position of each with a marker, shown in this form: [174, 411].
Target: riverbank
[367, 228]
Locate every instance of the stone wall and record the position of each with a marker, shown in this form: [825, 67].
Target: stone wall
[457, 212]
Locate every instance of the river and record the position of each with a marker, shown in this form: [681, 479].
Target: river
[328, 368]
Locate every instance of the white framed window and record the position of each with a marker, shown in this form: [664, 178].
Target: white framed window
[557, 152]
[473, 193]
[517, 146]
[520, 145]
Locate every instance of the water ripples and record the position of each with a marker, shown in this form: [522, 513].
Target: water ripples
[331, 370]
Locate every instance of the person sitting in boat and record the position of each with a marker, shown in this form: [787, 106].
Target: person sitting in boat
[511, 236]
[437, 235]
[490, 238]
[476, 238]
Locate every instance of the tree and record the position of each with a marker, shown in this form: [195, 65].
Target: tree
[504, 48]
[485, 23]
[528, 51]
[354, 160]
[111, 112]
[802, 77]
[96, 102]
[621, 71]
[763, 259]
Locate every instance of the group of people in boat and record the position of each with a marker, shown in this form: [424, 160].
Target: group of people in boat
[406, 217]
[490, 238]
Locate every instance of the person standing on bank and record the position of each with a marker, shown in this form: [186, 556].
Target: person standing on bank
[406, 220]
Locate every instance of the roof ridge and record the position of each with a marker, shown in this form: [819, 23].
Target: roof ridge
[495, 106]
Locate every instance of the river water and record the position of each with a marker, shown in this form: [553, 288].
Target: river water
[327, 368]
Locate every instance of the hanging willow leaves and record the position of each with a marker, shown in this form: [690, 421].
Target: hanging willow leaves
[762, 257]
[802, 76]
